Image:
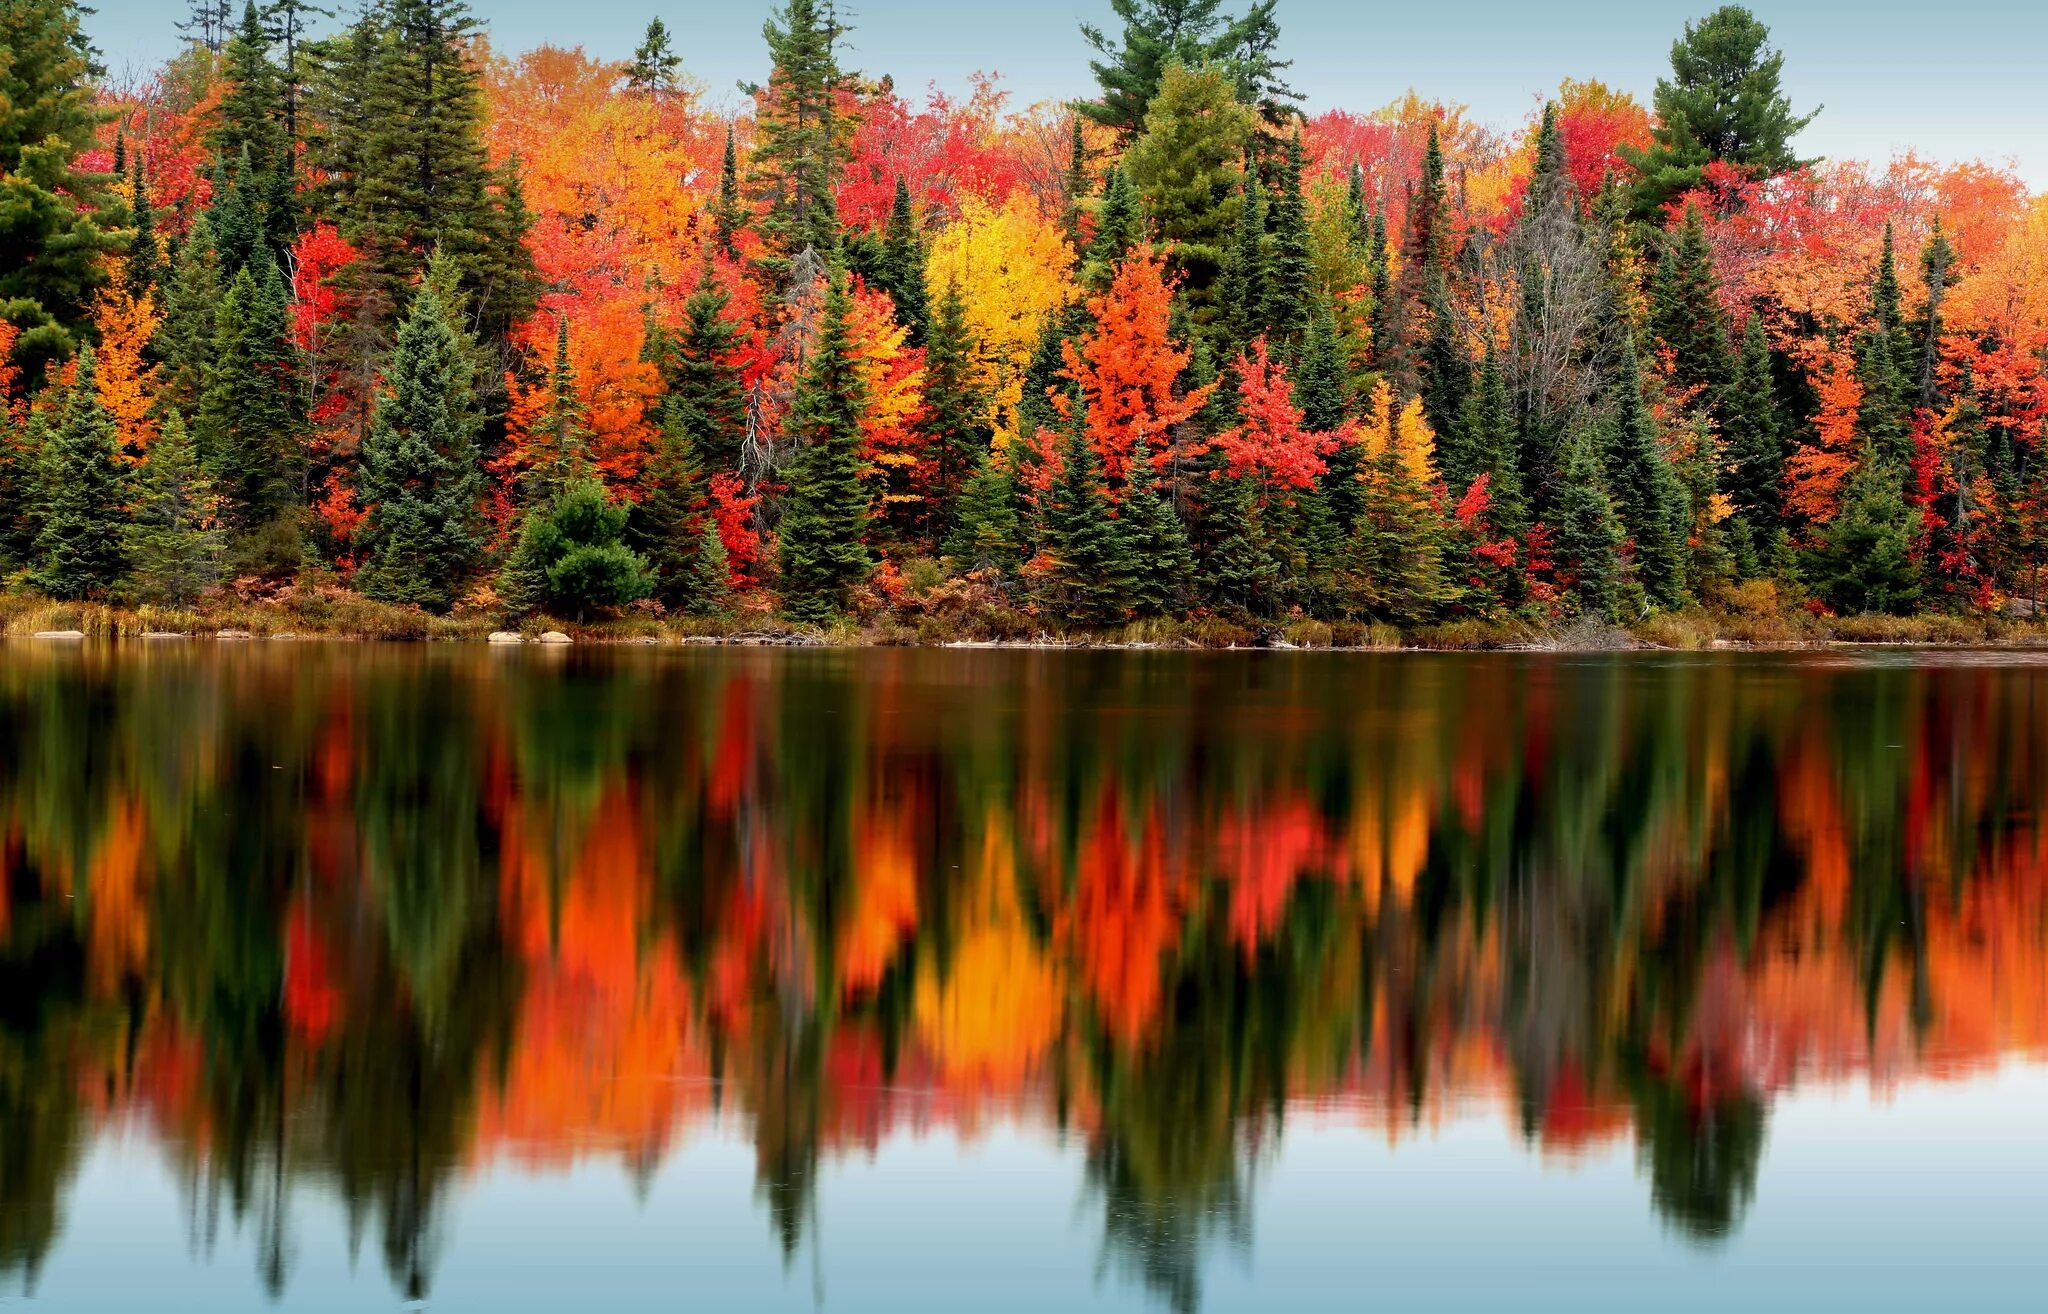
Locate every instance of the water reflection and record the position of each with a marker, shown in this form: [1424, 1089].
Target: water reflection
[359, 920]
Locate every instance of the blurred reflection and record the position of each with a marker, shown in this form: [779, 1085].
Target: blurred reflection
[357, 919]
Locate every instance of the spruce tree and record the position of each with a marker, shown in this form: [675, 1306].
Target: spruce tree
[655, 66]
[20, 486]
[249, 427]
[145, 259]
[1491, 447]
[1161, 564]
[287, 23]
[57, 221]
[250, 121]
[1320, 393]
[1242, 300]
[174, 540]
[81, 514]
[1160, 35]
[1883, 417]
[561, 452]
[824, 552]
[1588, 540]
[1240, 571]
[1075, 185]
[1395, 559]
[1937, 269]
[571, 559]
[728, 210]
[1646, 492]
[987, 532]
[666, 525]
[191, 300]
[1865, 560]
[704, 379]
[1090, 580]
[1187, 168]
[1754, 433]
[1291, 270]
[903, 266]
[799, 139]
[1118, 228]
[418, 480]
[1685, 310]
[954, 409]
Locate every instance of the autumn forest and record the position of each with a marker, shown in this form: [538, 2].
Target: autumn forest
[363, 312]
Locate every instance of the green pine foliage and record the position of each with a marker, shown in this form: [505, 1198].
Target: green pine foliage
[563, 447]
[1587, 544]
[1089, 580]
[419, 483]
[250, 122]
[1395, 561]
[1686, 315]
[1647, 494]
[988, 533]
[1239, 567]
[666, 524]
[954, 408]
[1188, 168]
[1162, 566]
[655, 67]
[703, 379]
[728, 209]
[174, 540]
[1160, 35]
[571, 559]
[799, 138]
[249, 427]
[82, 513]
[1241, 293]
[824, 550]
[1118, 227]
[1753, 434]
[1865, 561]
[1290, 284]
[902, 266]
[1490, 445]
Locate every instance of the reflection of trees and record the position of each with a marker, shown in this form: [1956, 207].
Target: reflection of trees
[1159, 901]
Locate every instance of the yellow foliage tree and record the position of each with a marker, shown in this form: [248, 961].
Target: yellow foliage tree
[127, 379]
[1013, 269]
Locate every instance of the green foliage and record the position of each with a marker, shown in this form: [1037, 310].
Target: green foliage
[1686, 315]
[954, 410]
[1721, 102]
[656, 66]
[1162, 566]
[1089, 581]
[1646, 491]
[1160, 34]
[666, 524]
[824, 551]
[418, 479]
[1239, 567]
[249, 427]
[174, 541]
[1187, 169]
[988, 533]
[798, 143]
[1865, 560]
[1489, 445]
[1753, 431]
[563, 449]
[703, 378]
[81, 514]
[1290, 290]
[1118, 227]
[250, 122]
[1394, 563]
[902, 271]
[571, 558]
[1587, 544]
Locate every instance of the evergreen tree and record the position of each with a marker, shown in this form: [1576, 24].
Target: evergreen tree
[250, 123]
[1161, 564]
[1490, 447]
[286, 24]
[798, 145]
[418, 480]
[249, 427]
[561, 455]
[1686, 313]
[656, 66]
[1242, 291]
[56, 220]
[1118, 228]
[1319, 380]
[175, 539]
[1721, 102]
[1754, 432]
[145, 258]
[1937, 268]
[1075, 185]
[955, 410]
[902, 266]
[192, 296]
[1445, 379]
[728, 211]
[1395, 559]
[988, 534]
[704, 379]
[82, 511]
[1160, 34]
[824, 553]
[208, 24]
[1865, 561]
[666, 526]
[1883, 418]
[1646, 492]
[235, 219]
[571, 558]
[1588, 541]
[1240, 570]
[1291, 272]
[20, 487]
[1187, 169]
[1090, 580]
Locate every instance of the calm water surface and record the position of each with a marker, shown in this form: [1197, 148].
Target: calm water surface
[339, 977]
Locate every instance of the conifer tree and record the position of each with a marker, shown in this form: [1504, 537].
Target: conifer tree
[418, 481]
[1242, 290]
[1490, 447]
[287, 24]
[145, 259]
[987, 532]
[1319, 380]
[954, 408]
[799, 139]
[1075, 185]
[1395, 559]
[562, 445]
[1646, 491]
[666, 526]
[824, 552]
[1161, 564]
[1159, 35]
[20, 486]
[1118, 228]
[903, 266]
[250, 123]
[571, 558]
[704, 379]
[56, 219]
[174, 540]
[1865, 560]
[1187, 168]
[1686, 315]
[1090, 579]
[191, 298]
[1588, 540]
[1883, 418]
[1289, 292]
[655, 66]
[249, 427]
[728, 211]
[1240, 570]
[81, 514]
[1937, 268]
[1754, 433]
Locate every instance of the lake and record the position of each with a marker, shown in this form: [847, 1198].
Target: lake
[341, 977]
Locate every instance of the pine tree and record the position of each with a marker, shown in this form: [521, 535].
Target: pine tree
[562, 447]
[1588, 541]
[1865, 561]
[20, 486]
[1242, 292]
[1491, 448]
[1937, 268]
[249, 427]
[571, 558]
[728, 211]
[175, 540]
[1159, 35]
[145, 259]
[1075, 185]
[1240, 571]
[1883, 418]
[250, 123]
[286, 24]
[987, 533]
[1089, 582]
[1319, 380]
[954, 409]
[666, 525]
[1754, 432]
[56, 220]
[704, 379]
[1187, 168]
[1118, 228]
[903, 266]
[656, 65]
[798, 145]
[824, 553]
[1291, 270]
[81, 514]
[1395, 559]
[1686, 315]
[1646, 492]
[191, 298]
[418, 480]
[1161, 564]
[208, 24]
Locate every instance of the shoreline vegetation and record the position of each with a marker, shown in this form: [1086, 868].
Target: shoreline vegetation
[352, 326]
[328, 613]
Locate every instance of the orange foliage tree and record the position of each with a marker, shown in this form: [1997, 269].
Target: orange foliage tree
[1129, 370]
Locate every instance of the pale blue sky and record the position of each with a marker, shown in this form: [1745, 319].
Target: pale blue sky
[1956, 82]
